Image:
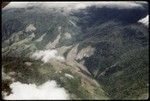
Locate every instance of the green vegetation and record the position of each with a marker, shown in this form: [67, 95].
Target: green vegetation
[121, 59]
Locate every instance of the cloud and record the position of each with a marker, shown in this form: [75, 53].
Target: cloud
[145, 20]
[77, 5]
[119, 5]
[47, 91]
[46, 55]
[108, 4]
[16, 5]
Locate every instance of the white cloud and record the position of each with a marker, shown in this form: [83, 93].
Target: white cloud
[16, 5]
[145, 20]
[77, 5]
[46, 55]
[47, 91]
[120, 4]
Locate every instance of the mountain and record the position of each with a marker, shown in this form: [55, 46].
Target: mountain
[93, 52]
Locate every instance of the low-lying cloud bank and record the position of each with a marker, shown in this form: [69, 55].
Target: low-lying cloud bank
[46, 55]
[78, 5]
[47, 91]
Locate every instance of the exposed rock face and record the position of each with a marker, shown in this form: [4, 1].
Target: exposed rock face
[28, 63]
[72, 53]
[52, 45]
[40, 38]
[85, 52]
[30, 28]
